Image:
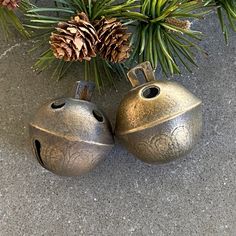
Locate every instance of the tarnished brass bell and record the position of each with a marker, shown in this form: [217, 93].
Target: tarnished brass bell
[71, 136]
[158, 121]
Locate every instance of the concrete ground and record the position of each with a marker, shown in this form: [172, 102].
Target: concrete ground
[123, 196]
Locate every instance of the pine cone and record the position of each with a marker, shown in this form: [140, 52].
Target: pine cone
[183, 24]
[114, 40]
[10, 4]
[76, 39]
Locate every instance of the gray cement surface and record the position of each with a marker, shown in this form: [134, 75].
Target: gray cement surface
[195, 195]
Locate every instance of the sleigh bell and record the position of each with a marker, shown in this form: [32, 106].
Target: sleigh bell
[158, 121]
[71, 136]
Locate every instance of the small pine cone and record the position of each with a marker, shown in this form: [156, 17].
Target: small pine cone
[114, 40]
[10, 4]
[183, 24]
[75, 40]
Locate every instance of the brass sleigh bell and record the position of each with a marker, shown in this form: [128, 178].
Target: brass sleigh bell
[71, 136]
[158, 121]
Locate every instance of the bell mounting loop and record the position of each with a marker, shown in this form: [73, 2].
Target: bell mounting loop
[84, 90]
[147, 70]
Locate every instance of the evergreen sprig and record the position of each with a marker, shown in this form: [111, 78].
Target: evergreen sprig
[162, 32]
[46, 19]
[227, 8]
[9, 17]
[163, 35]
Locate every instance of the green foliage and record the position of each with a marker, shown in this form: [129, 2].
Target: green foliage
[164, 44]
[162, 32]
[9, 18]
[228, 8]
[46, 19]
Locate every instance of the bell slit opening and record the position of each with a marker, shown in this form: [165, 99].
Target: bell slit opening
[37, 149]
[98, 116]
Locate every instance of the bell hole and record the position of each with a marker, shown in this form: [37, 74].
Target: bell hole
[98, 116]
[58, 104]
[37, 148]
[150, 92]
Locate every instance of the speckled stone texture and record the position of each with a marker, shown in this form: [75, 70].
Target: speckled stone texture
[195, 195]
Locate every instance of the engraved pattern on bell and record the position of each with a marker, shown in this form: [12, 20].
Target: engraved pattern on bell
[69, 136]
[158, 121]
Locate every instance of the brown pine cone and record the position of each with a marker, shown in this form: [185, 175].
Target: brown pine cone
[183, 24]
[114, 40]
[10, 4]
[75, 40]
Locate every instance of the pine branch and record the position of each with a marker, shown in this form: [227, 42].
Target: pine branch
[225, 8]
[164, 36]
[45, 21]
[162, 29]
[9, 17]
